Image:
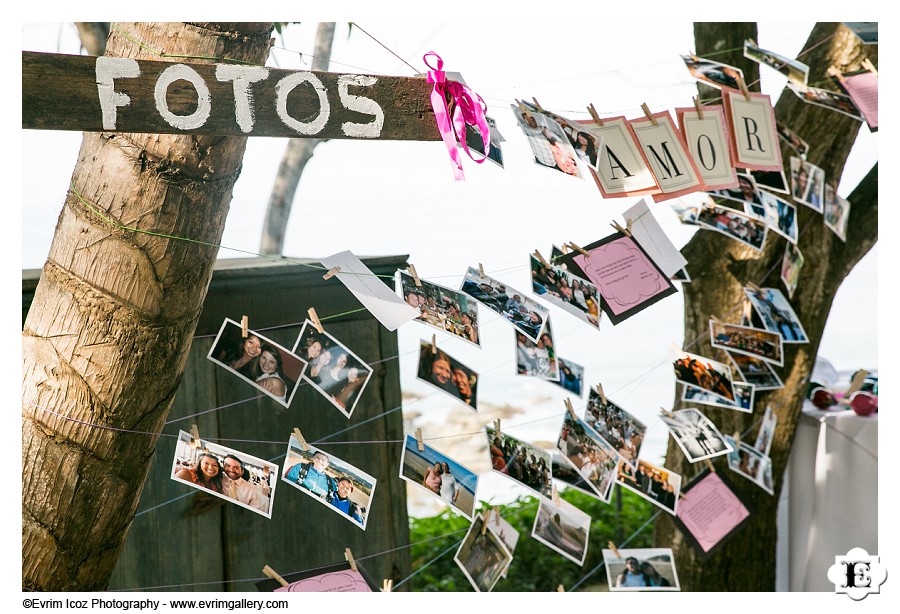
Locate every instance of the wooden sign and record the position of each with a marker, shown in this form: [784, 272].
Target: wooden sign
[105, 94]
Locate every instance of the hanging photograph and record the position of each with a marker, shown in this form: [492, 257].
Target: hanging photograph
[766, 432]
[744, 192]
[563, 471]
[746, 229]
[807, 184]
[641, 569]
[525, 463]
[593, 457]
[442, 308]
[525, 314]
[549, 144]
[571, 376]
[482, 556]
[440, 475]
[656, 484]
[757, 372]
[742, 390]
[626, 277]
[563, 527]
[571, 294]
[713, 73]
[829, 99]
[774, 181]
[795, 71]
[752, 464]
[791, 265]
[228, 474]
[776, 314]
[335, 483]
[792, 139]
[762, 344]
[695, 434]
[269, 367]
[780, 215]
[537, 359]
[837, 212]
[447, 374]
[476, 143]
[624, 432]
[705, 373]
[334, 371]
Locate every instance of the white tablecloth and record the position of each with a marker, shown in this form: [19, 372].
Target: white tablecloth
[830, 496]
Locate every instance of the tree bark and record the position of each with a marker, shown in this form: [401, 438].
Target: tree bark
[108, 334]
[719, 269]
[296, 155]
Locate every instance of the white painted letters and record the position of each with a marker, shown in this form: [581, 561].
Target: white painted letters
[360, 105]
[242, 77]
[107, 70]
[169, 76]
[286, 86]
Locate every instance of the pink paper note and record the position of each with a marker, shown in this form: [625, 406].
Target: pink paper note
[710, 511]
[863, 89]
[346, 581]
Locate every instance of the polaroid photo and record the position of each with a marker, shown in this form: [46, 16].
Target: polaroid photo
[584, 145]
[334, 371]
[483, 556]
[774, 181]
[226, 473]
[791, 265]
[807, 184]
[505, 531]
[766, 431]
[670, 160]
[335, 483]
[743, 228]
[829, 99]
[742, 390]
[627, 279]
[475, 142]
[744, 192]
[687, 212]
[550, 145]
[269, 367]
[780, 215]
[756, 342]
[439, 474]
[442, 308]
[710, 512]
[641, 569]
[623, 431]
[776, 314]
[695, 434]
[562, 527]
[447, 374]
[337, 578]
[525, 463]
[757, 372]
[793, 139]
[620, 152]
[570, 293]
[704, 373]
[593, 457]
[752, 464]
[706, 134]
[515, 307]
[658, 485]
[563, 471]
[571, 376]
[837, 212]
[537, 359]
[795, 71]
[713, 73]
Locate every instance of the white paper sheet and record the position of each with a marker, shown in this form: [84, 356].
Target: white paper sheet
[647, 231]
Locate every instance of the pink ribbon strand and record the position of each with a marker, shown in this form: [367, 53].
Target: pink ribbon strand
[468, 109]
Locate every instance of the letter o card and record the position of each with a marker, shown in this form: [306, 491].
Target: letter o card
[708, 142]
[751, 122]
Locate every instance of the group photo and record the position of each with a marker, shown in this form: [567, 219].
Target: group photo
[568, 292]
[593, 457]
[442, 308]
[621, 429]
[705, 373]
[756, 342]
[526, 463]
[656, 484]
[537, 359]
[756, 372]
[750, 231]
[743, 393]
[695, 434]
[525, 314]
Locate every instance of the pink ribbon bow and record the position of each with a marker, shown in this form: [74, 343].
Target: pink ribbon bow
[468, 108]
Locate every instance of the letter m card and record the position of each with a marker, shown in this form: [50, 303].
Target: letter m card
[708, 141]
[668, 156]
[751, 121]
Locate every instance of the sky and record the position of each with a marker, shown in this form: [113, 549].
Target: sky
[402, 199]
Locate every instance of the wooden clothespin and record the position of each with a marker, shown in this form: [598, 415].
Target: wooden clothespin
[387, 586]
[575, 248]
[600, 392]
[411, 269]
[868, 65]
[619, 228]
[195, 436]
[433, 344]
[331, 272]
[753, 286]
[555, 494]
[560, 589]
[245, 322]
[484, 524]
[834, 72]
[709, 465]
[628, 222]
[681, 495]
[743, 87]
[274, 575]
[615, 550]
[698, 106]
[537, 105]
[299, 437]
[570, 409]
[649, 114]
[737, 438]
[540, 259]
[496, 513]
[349, 556]
[666, 412]
[420, 444]
[594, 115]
[497, 426]
[857, 382]
[314, 317]
[480, 271]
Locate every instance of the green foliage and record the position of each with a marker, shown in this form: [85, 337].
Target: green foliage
[535, 567]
